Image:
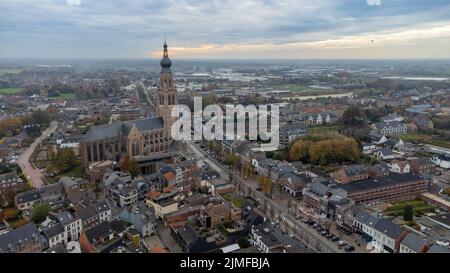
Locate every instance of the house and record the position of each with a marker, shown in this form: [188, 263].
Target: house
[291, 132]
[293, 183]
[442, 161]
[55, 235]
[72, 188]
[385, 154]
[26, 201]
[423, 122]
[10, 181]
[191, 241]
[377, 170]
[52, 195]
[364, 223]
[24, 239]
[351, 173]
[219, 186]
[399, 166]
[368, 148]
[142, 218]
[163, 203]
[92, 215]
[124, 191]
[422, 165]
[377, 138]
[99, 239]
[315, 196]
[389, 128]
[201, 176]
[268, 239]
[394, 143]
[71, 224]
[438, 249]
[413, 244]
[213, 215]
[392, 118]
[387, 236]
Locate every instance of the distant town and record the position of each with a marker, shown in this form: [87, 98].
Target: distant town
[88, 165]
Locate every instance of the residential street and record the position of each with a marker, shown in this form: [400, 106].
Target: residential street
[35, 174]
[276, 210]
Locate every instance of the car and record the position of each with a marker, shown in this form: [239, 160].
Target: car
[315, 226]
[298, 216]
[324, 233]
[342, 243]
[320, 229]
[349, 248]
[330, 236]
[334, 239]
[311, 223]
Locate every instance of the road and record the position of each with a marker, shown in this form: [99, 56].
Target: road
[273, 210]
[24, 159]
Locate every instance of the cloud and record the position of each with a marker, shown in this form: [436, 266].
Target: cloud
[90, 28]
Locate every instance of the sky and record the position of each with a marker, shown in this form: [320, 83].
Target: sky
[230, 29]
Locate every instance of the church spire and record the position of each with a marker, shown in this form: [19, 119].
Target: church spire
[166, 63]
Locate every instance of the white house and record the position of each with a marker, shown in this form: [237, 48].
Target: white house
[387, 236]
[442, 161]
[385, 154]
[397, 166]
[365, 223]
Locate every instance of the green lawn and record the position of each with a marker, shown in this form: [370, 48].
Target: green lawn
[418, 206]
[10, 91]
[76, 171]
[4, 71]
[428, 139]
[65, 96]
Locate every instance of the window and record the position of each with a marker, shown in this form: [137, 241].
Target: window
[135, 148]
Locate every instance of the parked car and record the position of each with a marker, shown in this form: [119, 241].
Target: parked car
[324, 233]
[349, 248]
[330, 236]
[342, 243]
[334, 239]
[320, 229]
[315, 226]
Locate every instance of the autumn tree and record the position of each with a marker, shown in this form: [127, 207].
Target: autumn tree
[129, 165]
[65, 159]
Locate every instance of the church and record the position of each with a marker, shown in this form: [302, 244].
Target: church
[144, 140]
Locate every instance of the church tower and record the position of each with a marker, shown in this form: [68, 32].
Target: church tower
[167, 95]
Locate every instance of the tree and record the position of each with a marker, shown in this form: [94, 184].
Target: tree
[65, 159]
[243, 242]
[40, 213]
[354, 117]
[231, 159]
[129, 165]
[41, 117]
[300, 150]
[408, 213]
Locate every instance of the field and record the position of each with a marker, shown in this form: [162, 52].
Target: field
[419, 207]
[10, 91]
[4, 71]
[65, 96]
[307, 90]
[428, 139]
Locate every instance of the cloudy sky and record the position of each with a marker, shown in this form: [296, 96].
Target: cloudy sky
[225, 28]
